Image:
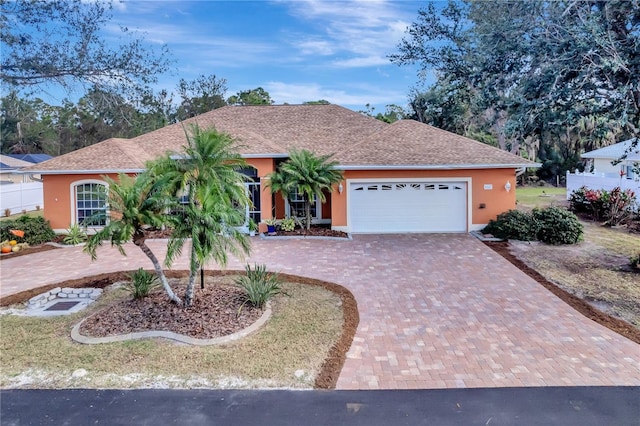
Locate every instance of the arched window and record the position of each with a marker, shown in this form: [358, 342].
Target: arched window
[90, 203]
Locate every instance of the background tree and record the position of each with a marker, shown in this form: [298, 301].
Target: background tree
[208, 170]
[203, 94]
[546, 80]
[134, 205]
[22, 127]
[33, 126]
[308, 174]
[60, 42]
[257, 96]
[392, 113]
[318, 102]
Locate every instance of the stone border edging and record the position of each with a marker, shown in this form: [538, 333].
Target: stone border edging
[481, 237]
[304, 237]
[59, 245]
[75, 334]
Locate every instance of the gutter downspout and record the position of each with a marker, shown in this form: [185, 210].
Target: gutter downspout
[519, 173]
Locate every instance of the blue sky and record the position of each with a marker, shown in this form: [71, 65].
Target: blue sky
[301, 50]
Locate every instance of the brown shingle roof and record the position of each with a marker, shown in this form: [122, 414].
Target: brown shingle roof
[112, 154]
[355, 139]
[324, 129]
[410, 143]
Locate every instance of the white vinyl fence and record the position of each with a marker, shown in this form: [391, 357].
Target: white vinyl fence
[601, 181]
[21, 196]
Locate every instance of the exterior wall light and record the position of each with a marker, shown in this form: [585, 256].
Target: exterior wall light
[507, 186]
[340, 188]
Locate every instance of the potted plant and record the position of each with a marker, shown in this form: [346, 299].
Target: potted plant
[271, 225]
[253, 228]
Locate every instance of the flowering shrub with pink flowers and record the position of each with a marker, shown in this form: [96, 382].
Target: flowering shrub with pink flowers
[614, 207]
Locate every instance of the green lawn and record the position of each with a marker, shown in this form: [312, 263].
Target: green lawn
[529, 197]
[34, 213]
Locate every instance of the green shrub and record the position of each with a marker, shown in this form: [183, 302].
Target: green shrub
[5, 226]
[634, 262]
[513, 224]
[141, 284]
[557, 226]
[578, 201]
[75, 235]
[259, 284]
[36, 229]
[288, 224]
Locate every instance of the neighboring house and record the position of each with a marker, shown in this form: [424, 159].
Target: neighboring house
[20, 191]
[609, 170]
[9, 169]
[12, 164]
[400, 177]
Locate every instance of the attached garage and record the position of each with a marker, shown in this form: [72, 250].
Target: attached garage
[408, 206]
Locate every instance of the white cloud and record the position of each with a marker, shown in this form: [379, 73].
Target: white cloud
[358, 62]
[297, 93]
[315, 47]
[360, 30]
[202, 47]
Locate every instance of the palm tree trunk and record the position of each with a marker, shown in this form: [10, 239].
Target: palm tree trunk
[188, 295]
[156, 265]
[308, 213]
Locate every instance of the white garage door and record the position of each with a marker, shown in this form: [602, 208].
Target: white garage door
[387, 207]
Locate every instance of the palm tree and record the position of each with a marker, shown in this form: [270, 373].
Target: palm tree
[308, 174]
[209, 172]
[134, 204]
[212, 227]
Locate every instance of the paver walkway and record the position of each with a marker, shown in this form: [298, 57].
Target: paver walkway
[436, 311]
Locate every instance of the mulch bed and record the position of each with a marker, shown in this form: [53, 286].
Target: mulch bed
[218, 310]
[615, 324]
[199, 321]
[28, 250]
[315, 231]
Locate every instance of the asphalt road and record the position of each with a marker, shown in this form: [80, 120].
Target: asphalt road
[584, 406]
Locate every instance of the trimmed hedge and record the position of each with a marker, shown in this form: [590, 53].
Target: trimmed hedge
[513, 224]
[558, 226]
[551, 225]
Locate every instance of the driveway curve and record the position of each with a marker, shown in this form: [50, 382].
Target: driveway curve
[436, 311]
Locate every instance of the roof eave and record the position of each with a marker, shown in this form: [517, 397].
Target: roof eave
[437, 166]
[610, 157]
[80, 172]
[279, 155]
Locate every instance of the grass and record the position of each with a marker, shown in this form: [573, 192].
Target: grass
[34, 213]
[529, 197]
[595, 270]
[38, 352]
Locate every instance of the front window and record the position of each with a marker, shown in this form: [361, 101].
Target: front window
[91, 204]
[296, 205]
[254, 196]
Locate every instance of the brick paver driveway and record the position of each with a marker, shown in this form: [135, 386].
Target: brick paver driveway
[436, 311]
